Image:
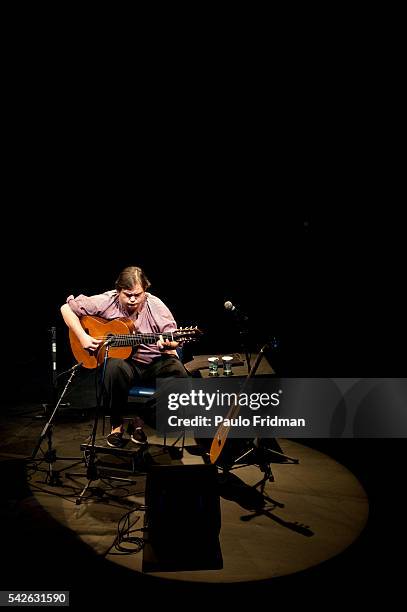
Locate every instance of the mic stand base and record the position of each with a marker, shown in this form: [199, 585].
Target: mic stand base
[99, 492]
[52, 476]
[47, 408]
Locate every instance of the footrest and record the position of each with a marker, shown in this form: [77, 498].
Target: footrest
[117, 460]
[110, 450]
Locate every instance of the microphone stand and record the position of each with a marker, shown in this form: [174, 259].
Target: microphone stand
[50, 456]
[53, 376]
[244, 344]
[91, 469]
[241, 321]
[90, 459]
[244, 335]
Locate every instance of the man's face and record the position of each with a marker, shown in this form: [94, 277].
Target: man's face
[133, 298]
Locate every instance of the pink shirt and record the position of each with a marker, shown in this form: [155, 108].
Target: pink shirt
[153, 317]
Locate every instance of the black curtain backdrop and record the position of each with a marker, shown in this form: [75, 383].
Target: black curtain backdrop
[327, 287]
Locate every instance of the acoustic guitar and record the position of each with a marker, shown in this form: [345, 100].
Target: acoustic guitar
[121, 336]
[221, 435]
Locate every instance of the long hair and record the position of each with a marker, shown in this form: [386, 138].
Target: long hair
[130, 276]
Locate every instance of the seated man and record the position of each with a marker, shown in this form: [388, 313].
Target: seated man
[149, 314]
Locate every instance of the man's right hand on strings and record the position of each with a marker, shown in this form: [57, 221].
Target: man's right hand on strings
[89, 343]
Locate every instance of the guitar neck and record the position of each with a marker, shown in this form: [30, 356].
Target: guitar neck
[136, 339]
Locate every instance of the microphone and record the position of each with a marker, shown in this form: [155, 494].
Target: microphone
[53, 331]
[236, 312]
[78, 365]
[75, 367]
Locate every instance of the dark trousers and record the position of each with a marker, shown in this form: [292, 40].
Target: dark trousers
[121, 375]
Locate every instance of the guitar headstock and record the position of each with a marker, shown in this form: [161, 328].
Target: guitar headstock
[187, 334]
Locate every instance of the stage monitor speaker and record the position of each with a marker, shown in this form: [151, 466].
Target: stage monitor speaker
[183, 518]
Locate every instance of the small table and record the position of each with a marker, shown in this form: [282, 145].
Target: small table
[239, 366]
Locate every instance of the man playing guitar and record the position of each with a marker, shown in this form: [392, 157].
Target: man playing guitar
[153, 337]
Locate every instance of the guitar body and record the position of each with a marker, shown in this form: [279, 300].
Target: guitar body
[221, 436]
[228, 451]
[218, 443]
[101, 328]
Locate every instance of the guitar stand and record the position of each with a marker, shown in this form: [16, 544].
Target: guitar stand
[263, 462]
[264, 466]
[52, 477]
[264, 450]
[220, 438]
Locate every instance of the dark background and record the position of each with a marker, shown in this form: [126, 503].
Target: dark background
[257, 162]
[267, 174]
[327, 287]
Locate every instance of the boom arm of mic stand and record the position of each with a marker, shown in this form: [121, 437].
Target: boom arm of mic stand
[259, 357]
[51, 418]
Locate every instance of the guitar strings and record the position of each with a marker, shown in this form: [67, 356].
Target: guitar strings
[145, 338]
